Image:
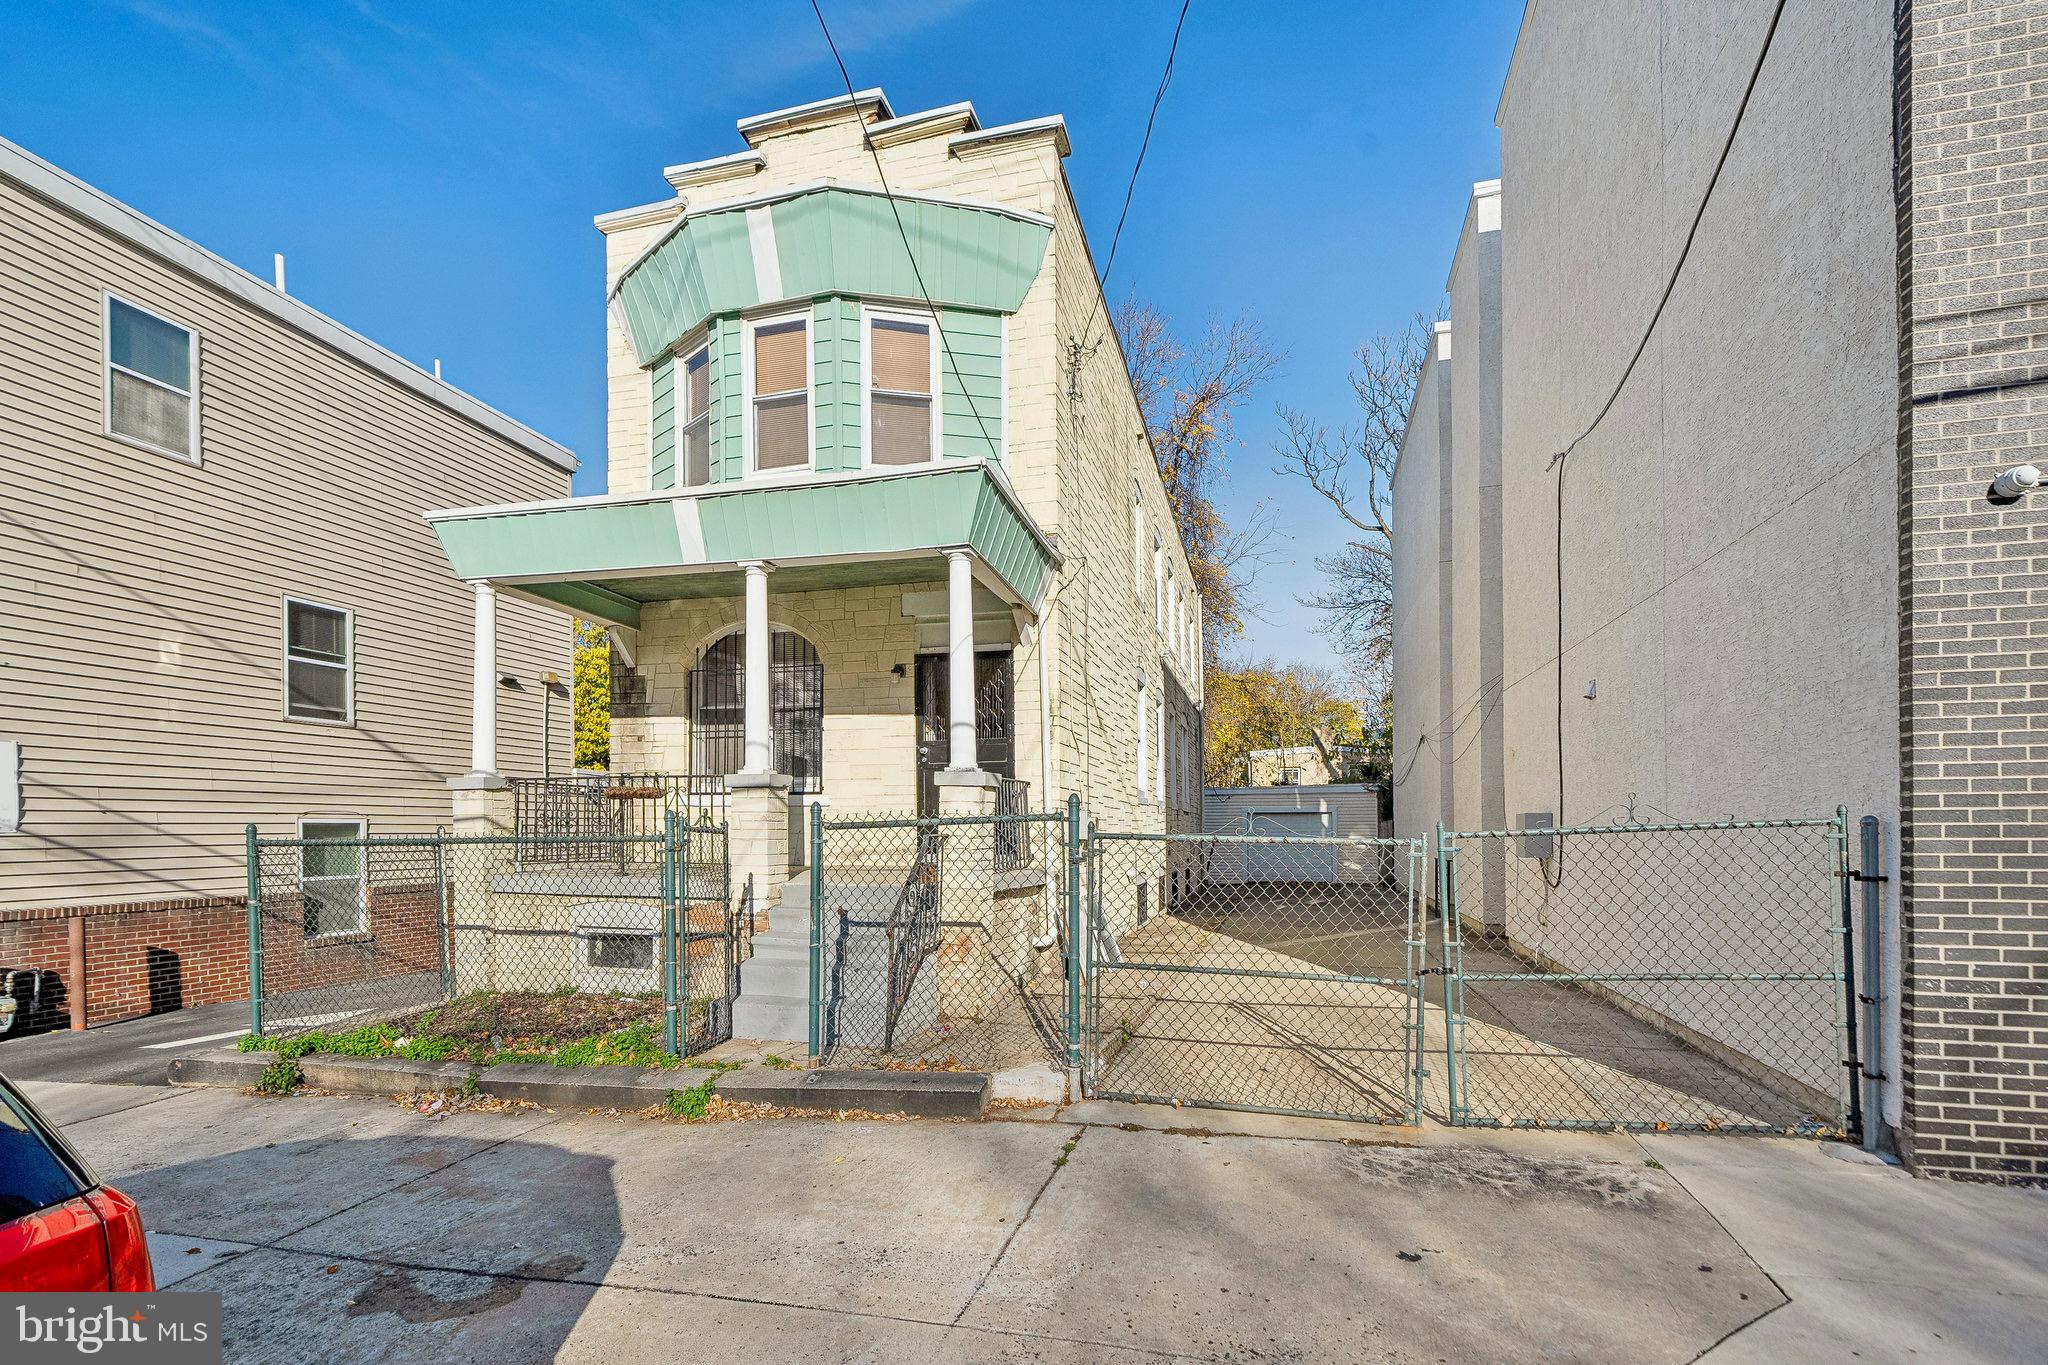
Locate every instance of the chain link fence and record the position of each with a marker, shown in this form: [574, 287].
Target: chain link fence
[1275, 973]
[937, 943]
[1674, 976]
[516, 946]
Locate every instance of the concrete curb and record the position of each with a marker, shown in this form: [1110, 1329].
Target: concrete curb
[925, 1094]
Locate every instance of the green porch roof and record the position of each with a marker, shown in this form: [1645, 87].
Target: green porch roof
[828, 239]
[603, 557]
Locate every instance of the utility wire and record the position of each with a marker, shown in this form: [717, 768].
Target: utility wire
[1145, 145]
[959, 377]
[1557, 461]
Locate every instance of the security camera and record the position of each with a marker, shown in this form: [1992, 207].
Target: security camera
[2015, 483]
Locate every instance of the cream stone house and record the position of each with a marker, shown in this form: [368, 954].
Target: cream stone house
[883, 532]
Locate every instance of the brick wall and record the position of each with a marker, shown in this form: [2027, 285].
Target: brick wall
[1972, 92]
[140, 958]
[153, 956]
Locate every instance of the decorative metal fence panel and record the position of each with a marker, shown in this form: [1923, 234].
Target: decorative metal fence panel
[1674, 976]
[936, 942]
[1277, 973]
[609, 817]
[500, 941]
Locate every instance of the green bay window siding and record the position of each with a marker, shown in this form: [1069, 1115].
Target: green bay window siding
[728, 404]
[836, 381]
[830, 241]
[971, 374]
[662, 425]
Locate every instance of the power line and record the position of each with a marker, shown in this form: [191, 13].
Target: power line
[897, 213]
[1557, 461]
[1131, 187]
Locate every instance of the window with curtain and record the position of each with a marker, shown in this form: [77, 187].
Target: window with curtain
[318, 667]
[782, 395]
[152, 380]
[901, 429]
[694, 466]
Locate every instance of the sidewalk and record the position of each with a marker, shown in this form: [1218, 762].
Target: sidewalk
[344, 1230]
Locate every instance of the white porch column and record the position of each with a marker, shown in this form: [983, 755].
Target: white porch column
[483, 684]
[960, 659]
[755, 747]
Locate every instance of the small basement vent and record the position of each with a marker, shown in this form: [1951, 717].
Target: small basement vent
[616, 947]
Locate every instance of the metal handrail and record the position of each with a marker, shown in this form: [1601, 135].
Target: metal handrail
[915, 936]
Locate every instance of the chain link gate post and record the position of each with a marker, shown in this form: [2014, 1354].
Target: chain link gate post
[1450, 957]
[670, 1034]
[1418, 958]
[254, 901]
[816, 977]
[1851, 1093]
[1077, 956]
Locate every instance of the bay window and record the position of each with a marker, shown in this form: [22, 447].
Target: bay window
[779, 393]
[902, 365]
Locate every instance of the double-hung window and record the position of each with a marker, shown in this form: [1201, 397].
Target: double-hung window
[319, 663]
[1158, 585]
[779, 376]
[694, 466]
[1144, 739]
[152, 381]
[1137, 541]
[333, 880]
[903, 376]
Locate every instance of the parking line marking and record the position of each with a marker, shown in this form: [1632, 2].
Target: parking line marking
[187, 1042]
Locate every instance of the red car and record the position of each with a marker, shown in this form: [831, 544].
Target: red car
[60, 1227]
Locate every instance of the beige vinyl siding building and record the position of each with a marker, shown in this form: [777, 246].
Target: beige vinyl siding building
[143, 594]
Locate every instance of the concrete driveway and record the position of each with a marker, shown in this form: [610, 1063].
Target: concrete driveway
[356, 1230]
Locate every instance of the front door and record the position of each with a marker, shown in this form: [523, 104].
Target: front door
[995, 720]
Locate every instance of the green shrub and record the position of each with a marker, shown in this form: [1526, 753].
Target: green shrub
[281, 1077]
[691, 1103]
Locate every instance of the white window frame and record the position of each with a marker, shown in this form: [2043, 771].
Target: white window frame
[680, 394]
[1144, 715]
[748, 398]
[1159, 749]
[869, 315]
[362, 825]
[1158, 584]
[348, 626]
[107, 368]
[1137, 541]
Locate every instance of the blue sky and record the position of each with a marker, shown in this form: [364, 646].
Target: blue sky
[430, 172]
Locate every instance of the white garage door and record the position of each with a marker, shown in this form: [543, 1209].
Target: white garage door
[1289, 862]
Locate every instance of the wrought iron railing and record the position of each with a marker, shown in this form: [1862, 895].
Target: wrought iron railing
[1014, 840]
[913, 927]
[584, 817]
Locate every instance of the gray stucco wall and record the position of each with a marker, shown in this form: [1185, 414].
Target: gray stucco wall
[1728, 562]
[1417, 768]
[1474, 733]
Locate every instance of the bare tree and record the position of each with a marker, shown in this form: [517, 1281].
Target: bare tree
[1189, 394]
[1353, 469]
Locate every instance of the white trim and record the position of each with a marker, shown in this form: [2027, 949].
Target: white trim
[954, 118]
[748, 398]
[362, 825]
[797, 113]
[728, 167]
[1055, 124]
[348, 625]
[108, 298]
[869, 315]
[95, 206]
[681, 386]
[761, 246]
[638, 215]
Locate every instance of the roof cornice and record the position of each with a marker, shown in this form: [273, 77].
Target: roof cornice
[775, 121]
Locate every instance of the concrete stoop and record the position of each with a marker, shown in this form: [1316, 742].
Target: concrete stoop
[924, 1094]
[775, 987]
